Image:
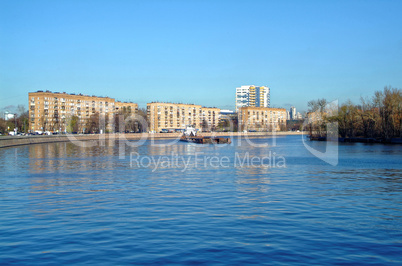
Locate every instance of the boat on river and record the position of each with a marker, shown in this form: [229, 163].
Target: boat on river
[190, 135]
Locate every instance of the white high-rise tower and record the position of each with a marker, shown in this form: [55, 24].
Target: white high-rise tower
[252, 96]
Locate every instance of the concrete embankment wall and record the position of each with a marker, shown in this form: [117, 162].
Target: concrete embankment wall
[9, 141]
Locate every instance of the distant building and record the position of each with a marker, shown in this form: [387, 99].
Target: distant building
[262, 118]
[8, 116]
[227, 112]
[292, 113]
[52, 111]
[254, 96]
[175, 116]
[228, 119]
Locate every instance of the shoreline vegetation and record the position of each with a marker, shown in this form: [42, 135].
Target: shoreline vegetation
[374, 120]
[10, 141]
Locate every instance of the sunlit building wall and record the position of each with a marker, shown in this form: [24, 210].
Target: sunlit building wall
[52, 111]
[262, 118]
[176, 116]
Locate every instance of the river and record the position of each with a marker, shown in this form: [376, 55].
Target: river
[262, 201]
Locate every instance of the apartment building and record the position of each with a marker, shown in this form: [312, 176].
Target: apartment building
[316, 117]
[176, 116]
[210, 118]
[53, 111]
[125, 107]
[262, 118]
[250, 95]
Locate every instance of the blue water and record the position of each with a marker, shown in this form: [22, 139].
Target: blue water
[64, 204]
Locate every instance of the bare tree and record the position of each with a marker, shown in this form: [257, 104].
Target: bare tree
[379, 117]
[92, 125]
[3, 126]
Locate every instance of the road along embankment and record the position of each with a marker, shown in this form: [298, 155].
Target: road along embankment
[10, 141]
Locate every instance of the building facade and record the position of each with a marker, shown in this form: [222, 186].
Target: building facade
[165, 117]
[125, 107]
[254, 96]
[54, 111]
[262, 119]
[315, 117]
[210, 118]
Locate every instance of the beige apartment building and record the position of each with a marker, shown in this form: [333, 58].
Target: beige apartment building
[315, 117]
[172, 116]
[210, 118]
[53, 111]
[262, 118]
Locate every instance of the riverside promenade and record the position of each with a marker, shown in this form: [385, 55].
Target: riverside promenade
[10, 141]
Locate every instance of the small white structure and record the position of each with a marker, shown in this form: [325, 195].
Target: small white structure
[190, 131]
[8, 116]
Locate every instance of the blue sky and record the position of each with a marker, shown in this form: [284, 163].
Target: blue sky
[200, 51]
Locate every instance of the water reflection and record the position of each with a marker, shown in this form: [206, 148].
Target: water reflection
[58, 195]
[73, 168]
[56, 157]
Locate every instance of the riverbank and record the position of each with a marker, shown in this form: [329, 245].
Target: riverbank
[10, 141]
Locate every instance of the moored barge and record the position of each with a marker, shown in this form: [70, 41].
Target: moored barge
[190, 135]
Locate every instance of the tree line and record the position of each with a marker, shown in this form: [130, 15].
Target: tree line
[379, 116]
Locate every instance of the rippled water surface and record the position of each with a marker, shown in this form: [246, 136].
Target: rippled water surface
[239, 204]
